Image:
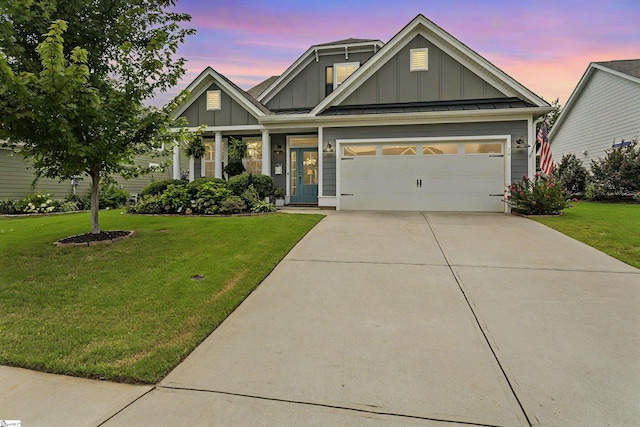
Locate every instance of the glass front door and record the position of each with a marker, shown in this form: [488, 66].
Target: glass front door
[304, 175]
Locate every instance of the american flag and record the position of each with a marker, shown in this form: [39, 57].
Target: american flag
[546, 160]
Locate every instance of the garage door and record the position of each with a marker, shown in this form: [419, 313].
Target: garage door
[427, 176]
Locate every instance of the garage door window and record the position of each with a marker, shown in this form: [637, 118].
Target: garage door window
[483, 148]
[399, 150]
[428, 149]
[360, 150]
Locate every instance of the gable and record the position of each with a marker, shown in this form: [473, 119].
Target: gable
[446, 79]
[231, 113]
[307, 88]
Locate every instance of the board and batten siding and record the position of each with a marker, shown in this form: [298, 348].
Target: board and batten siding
[445, 80]
[307, 88]
[608, 108]
[230, 113]
[517, 129]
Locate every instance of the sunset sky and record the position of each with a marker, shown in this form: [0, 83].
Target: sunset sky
[545, 45]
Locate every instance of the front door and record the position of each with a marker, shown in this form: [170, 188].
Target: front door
[304, 175]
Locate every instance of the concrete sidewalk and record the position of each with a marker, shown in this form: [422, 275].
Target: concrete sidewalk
[404, 318]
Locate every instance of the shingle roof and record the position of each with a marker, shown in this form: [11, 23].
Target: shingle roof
[416, 107]
[626, 66]
[348, 41]
[245, 94]
[261, 87]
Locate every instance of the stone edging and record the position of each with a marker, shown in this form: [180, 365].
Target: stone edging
[97, 242]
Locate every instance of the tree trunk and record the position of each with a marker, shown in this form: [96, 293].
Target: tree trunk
[95, 201]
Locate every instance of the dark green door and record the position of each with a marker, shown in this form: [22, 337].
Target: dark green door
[304, 175]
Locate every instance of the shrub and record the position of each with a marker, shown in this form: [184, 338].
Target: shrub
[194, 186]
[618, 174]
[636, 197]
[82, 203]
[37, 203]
[157, 187]
[210, 197]
[175, 198]
[232, 205]
[262, 206]
[112, 197]
[263, 184]
[595, 192]
[9, 207]
[250, 197]
[537, 196]
[571, 174]
[150, 204]
[68, 206]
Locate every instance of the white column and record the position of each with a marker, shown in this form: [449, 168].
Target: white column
[320, 161]
[176, 161]
[192, 165]
[266, 153]
[218, 156]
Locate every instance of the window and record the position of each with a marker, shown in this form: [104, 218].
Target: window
[209, 159]
[253, 161]
[328, 81]
[439, 149]
[213, 100]
[360, 150]
[419, 59]
[342, 71]
[483, 148]
[399, 150]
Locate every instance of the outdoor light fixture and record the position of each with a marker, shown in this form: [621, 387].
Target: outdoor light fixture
[278, 149]
[328, 148]
[521, 143]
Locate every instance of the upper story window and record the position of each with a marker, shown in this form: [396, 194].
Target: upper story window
[342, 71]
[419, 59]
[213, 100]
[328, 81]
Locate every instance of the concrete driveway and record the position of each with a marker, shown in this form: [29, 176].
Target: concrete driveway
[407, 318]
[380, 318]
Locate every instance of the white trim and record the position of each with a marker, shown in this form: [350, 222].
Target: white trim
[412, 62]
[176, 162]
[217, 156]
[305, 59]
[443, 40]
[214, 100]
[505, 139]
[342, 64]
[328, 201]
[320, 163]
[221, 128]
[266, 153]
[192, 165]
[201, 84]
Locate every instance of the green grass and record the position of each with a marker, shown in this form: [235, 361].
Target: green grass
[129, 311]
[611, 228]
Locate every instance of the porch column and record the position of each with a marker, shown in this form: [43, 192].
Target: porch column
[266, 153]
[176, 161]
[320, 161]
[192, 165]
[217, 169]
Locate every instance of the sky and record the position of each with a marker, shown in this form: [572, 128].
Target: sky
[544, 45]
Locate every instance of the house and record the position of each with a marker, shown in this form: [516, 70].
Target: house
[603, 112]
[419, 123]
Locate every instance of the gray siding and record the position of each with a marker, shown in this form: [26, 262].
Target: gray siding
[230, 114]
[514, 128]
[16, 177]
[607, 109]
[280, 181]
[445, 80]
[307, 88]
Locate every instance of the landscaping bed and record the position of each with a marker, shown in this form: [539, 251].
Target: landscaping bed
[130, 311]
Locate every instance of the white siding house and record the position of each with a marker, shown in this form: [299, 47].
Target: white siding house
[604, 109]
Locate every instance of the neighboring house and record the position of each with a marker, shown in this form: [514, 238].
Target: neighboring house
[419, 123]
[17, 175]
[602, 112]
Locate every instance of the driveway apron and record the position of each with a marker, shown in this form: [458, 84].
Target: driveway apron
[406, 318]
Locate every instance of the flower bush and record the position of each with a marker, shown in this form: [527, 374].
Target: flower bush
[537, 196]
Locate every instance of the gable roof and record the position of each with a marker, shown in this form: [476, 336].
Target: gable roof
[262, 86]
[209, 76]
[308, 56]
[445, 41]
[628, 69]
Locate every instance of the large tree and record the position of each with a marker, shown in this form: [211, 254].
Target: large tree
[75, 76]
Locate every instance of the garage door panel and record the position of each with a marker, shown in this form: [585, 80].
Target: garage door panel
[423, 182]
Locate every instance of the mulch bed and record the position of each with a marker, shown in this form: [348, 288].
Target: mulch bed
[90, 239]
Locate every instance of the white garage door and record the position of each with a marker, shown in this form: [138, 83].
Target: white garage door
[427, 176]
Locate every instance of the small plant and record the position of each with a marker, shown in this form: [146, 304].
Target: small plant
[636, 197]
[263, 184]
[262, 206]
[9, 207]
[37, 203]
[175, 199]
[194, 186]
[571, 174]
[158, 187]
[68, 207]
[279, 193]
[195, 148]
[148, 205]
[250, 197]
[537, 196]
[209, 197]
[82, 202]
[112, 197]
[232, 205]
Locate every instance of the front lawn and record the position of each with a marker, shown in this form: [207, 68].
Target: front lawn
[611, 228]
[129, 311]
